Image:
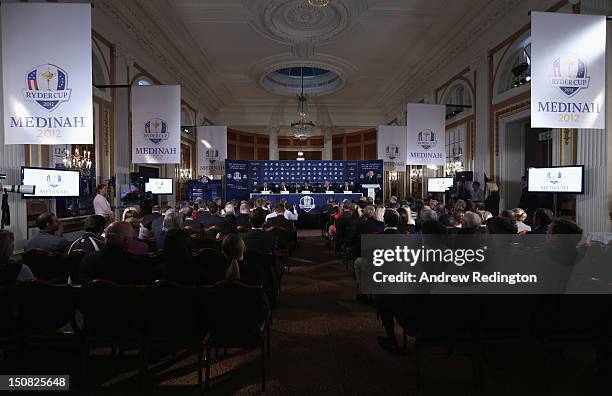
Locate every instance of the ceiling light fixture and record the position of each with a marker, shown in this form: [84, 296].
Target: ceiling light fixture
[318, 3]
[302, 128]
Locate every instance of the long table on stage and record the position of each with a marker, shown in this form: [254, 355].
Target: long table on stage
[309, 203]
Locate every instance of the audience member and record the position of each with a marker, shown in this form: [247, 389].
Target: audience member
[136, 247]
[172, 221]
[48, 224]
[11, 272]
[492, 201]
[91, 240]
[470, 224]
[541, 221]
[178, 262]
[113, 262]
[501, 225]
[406, 221]
[233, 248]
[520, 216]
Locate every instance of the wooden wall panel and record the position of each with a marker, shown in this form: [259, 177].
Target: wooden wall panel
[355, 146]
[353, 153]
[246, 153]
[370, 151]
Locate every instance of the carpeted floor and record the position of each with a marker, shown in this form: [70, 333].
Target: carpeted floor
[324, 342]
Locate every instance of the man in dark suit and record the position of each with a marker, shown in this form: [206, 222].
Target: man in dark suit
[213, 218]
[278, 219]
[283, 186]
[258, 239]
[188, 220]
[542, 218]
[327, 186]
[392, 222]
[113, 262]
[346, 187]
[155, 214]
[306, 187]
[369, 226]
[242, 220]
[266, 187]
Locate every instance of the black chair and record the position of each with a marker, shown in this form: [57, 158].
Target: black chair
[112, 317]
[47, 265]
[202, 241]
[73, 264]
[45, 316]
[8, 321]
[212, 264]
[172, 317]
[238, 317]
[258, 268]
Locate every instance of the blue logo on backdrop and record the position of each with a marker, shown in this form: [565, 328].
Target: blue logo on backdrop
[156, 130]
[427, 139]
[47, 85]
[570, 74]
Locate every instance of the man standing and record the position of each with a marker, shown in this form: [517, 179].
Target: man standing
[101, 205]
[46, 239]
[477, 193]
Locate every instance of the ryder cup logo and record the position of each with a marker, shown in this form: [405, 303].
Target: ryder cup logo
[570, 74]
[47, 85]
[426, 139]
[392, 151]
[307, 203]
[211, 154]
[553, 177]
[54, 179]
[156, 130]
[237, 176]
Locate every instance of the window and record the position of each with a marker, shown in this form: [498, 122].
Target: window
[144, 81]
[455, 149]
[457, 95]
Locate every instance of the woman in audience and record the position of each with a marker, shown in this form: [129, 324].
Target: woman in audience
[458, 215]
[179, 265]
[11, 272]
[129, 213]
[172, 221]
[406, 222]
[520, 216]
[136, 246]
[470, 224]
[233, 249]
[380, 213]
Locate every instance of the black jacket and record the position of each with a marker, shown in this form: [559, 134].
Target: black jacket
[116, 265]
[260, 240]
[492, 203]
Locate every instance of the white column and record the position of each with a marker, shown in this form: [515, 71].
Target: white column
[327, 143]
[273, 145]
[482, 151]
[121, 146]
[12, 157]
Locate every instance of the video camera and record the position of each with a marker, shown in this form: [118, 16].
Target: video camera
[11, 188]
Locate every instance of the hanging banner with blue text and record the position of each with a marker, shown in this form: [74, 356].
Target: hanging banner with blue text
[212, 150]
[46, 74]
[156, 124]
[425, 125]
[568, 79]
[392, 146]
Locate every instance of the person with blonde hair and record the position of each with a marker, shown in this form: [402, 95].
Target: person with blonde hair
[380, 213]
[492, 201]
[520, 216]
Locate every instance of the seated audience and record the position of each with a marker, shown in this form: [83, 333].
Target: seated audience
[113, 262]
[520, 216]
[242, 220]
[450, 222]
[11, 272]
[188, 218]
[214, 218]
[257, 238]
[178, 262]
[233, 249]
[278, 219]
[470, 224]
[369, 226]
[501, 225]
[542, 218]
[136, 246]
[392, 222]
[91, 240]
[172, 221]
[230, 226]
[46, 239]
[406, 222]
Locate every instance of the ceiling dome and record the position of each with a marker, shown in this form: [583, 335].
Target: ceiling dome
[288, 80]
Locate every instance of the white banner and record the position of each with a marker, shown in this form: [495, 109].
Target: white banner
[392, 146]
[156, 124]
[568, 80]
[47, 73]
[426, 129]
[212, 150]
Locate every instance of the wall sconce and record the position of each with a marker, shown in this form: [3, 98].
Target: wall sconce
[393, 176]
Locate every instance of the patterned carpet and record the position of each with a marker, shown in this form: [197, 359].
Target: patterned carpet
[324, 343]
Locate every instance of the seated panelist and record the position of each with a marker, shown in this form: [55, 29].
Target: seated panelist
[266, 187]
[306, 187]
[327, 186]
[283, 186]
[346, 187]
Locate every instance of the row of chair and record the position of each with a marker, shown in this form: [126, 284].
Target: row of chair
[229, 314]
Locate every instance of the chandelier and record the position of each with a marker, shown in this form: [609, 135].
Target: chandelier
[452, 168]
[78, 161]
[302, 128]
[318, 3]
[184, 174]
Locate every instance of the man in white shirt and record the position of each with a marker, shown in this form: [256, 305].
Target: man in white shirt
[289, 212]
[101, 205]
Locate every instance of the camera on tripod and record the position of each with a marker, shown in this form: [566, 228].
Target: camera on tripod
[19, 189]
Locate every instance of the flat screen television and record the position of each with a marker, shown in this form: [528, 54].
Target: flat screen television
[556, 179]
[160, 186]
[51, 183]
[439, 184]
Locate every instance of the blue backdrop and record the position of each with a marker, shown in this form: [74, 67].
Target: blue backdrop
[207, 190]
[244, 177]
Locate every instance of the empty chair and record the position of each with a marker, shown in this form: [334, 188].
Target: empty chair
[172, 319]
[238, 317]
[46, 265]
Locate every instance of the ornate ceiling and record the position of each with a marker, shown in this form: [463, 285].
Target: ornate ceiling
[221, 50]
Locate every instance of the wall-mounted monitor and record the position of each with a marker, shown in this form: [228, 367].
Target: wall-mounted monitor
[439, 184]
[556, 179]
[51, 183]
[159, 186]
